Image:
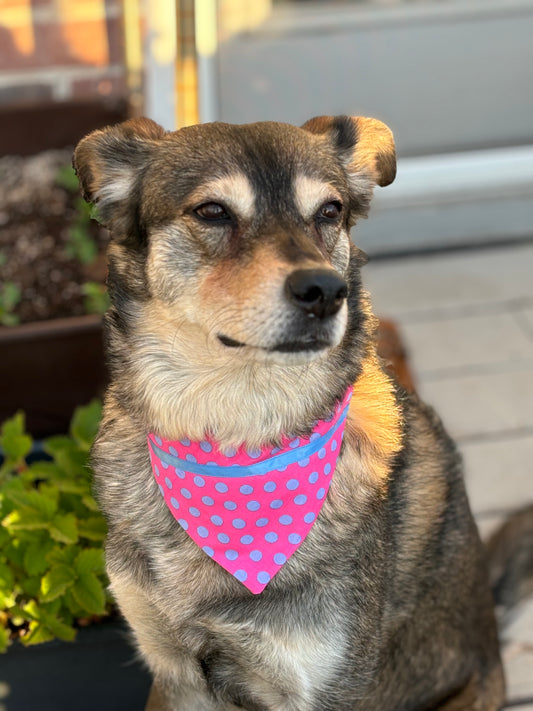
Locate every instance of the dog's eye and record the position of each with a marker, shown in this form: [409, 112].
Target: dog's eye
[213, 211]
[331, 210]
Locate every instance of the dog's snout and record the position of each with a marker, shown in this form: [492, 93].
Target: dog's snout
[318, 292]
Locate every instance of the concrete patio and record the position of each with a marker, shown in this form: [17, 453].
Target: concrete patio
[466, 318]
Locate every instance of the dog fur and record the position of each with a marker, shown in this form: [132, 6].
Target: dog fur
[386, 605]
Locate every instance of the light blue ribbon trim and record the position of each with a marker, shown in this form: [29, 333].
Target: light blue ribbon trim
[267, 465]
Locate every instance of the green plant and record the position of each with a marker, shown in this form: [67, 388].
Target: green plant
[51, 534]
[81, 245]
[10, 296]
[96, 299]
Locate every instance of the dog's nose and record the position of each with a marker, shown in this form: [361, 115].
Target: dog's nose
[318, 292]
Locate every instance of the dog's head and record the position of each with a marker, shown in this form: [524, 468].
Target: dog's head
[241, 231]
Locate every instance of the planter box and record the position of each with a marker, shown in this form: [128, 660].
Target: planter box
[49, 368]
[97, 671]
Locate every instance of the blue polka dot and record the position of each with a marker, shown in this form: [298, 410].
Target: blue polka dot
[303, 462]
[295, 443]
[199, 481]
[156, 470]
[230, 452]
[334, 445]
[180, 473]
[238, 523]
[246, 540]
[246, 489]
[217, 520]
[186, 493]
[161, 489]
[295, 538]
[313, 477]
[271, 537]
[173, 451]
[221, 487]
[256, 555]
[230, 505]
[174, 503]
[194, 511]
[210, 552]
[321, 493]
[207, 500]
[164, 465]
[270, 486]
[261, 522]
[158, 440]
[253, 506]
[322, 453]
[253, 453]
[263, 577]
[300, 500]
[191, 458]
[285, 520]
[231, 554]
[202, 531]
[309, 517]
[241, 575]
[280, 558]
[275, 450]
[292, 484]
[185, 442]
[183, 523]
[281, 469]
[223, 538]
[327, 469]
[314, 436]
[168, 482]
[205, 446]
[276, 504]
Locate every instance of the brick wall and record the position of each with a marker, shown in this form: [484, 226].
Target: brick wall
[61, 50]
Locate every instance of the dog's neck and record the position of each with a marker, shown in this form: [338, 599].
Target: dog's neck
[190, 391]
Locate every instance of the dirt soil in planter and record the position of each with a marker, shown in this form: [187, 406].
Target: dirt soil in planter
[36, 213]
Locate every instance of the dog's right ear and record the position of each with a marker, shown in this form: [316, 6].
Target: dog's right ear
[108, 162]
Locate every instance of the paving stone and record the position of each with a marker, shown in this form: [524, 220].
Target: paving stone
[499, 474]
[471, 341]
[424, 283]
[485, 404]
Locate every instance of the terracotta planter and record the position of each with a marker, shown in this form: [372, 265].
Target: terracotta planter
[96, 671]
[49, 368]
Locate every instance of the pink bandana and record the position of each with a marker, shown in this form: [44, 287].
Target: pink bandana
[249, 510]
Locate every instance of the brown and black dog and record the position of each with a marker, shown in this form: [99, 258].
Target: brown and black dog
[238, 314]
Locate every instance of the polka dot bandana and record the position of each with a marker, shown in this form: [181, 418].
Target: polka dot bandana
[249, 510]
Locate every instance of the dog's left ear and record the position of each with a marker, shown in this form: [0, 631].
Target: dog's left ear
[365, 145]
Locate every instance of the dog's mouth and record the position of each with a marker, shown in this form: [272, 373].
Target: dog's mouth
[284, 347]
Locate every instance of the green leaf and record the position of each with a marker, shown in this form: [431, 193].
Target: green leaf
[24, 521]
[39, 633]
[90, 503]
[56, 581]
[91, 560]
[63, 556]
[60, 629]
[89, 593]
[4, 638]
[64, 528]
[94, 528]
[66, 178]
[85, 423]
[6, 578]
[34, 503]
[14, 441]
[35, 561]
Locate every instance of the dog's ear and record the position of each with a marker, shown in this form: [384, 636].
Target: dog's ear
[365, 145]
[108, 163]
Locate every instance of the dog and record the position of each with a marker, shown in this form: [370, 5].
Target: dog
[240, 338]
